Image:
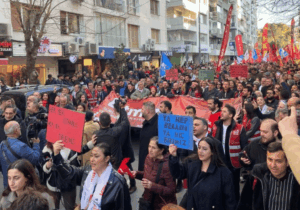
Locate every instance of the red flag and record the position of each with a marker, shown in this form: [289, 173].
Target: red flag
[250, 57]
[225, 39]
[265, 40]
[239, 45]
[292, 38]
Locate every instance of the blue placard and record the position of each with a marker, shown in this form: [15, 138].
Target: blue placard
[175, 129]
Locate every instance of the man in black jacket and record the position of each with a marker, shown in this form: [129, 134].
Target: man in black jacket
[272, 185]
[256, 151]
[10, 114]
[111, 136]
[226, 93]
[149, 129]
[270, 100]
[211, 92]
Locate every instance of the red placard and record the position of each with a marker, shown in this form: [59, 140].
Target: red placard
[238, 71]
[66, 125]
[172, 73]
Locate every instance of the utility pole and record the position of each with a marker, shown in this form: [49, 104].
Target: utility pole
[199, 34]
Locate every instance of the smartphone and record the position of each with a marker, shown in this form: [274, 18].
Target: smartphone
[298, 117]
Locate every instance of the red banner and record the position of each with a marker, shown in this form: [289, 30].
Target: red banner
[66, 125]
[133, 107]
[239, 45]
[292, 38]
[265, 40]
[225, 39]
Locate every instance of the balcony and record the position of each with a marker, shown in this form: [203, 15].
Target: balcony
[215, 50]
[179, 46]
[187, 4]
[233, 25]
[216, 32]
[225, 4]
[182, 23]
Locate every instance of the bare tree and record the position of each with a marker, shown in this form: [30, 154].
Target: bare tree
[31, 17]
[281, 10]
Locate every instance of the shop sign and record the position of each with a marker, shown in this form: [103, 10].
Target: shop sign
[4, 61]
[167, 53]
[19, 49]
[109, 52]
[141, 57]
[44, 45]
[73, 58]
[5, 48]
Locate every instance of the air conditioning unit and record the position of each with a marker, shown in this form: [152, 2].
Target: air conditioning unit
[79, 41]
[4, 30]
[169, 26]
[91, 48]
[73, 48]
[168, 1]
[152, 44]
[146, 47]
[211, 14]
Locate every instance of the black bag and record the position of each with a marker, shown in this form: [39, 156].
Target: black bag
[147, 205]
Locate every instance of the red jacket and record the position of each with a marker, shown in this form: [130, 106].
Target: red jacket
[166, 186]
[212, 119]
[194, 93]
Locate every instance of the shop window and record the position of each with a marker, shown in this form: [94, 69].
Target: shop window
[154, 6]
[133, 36]
[69, 23]
[155, 35]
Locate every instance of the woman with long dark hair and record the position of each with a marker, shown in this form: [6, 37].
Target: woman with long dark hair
[210, 182]
[102, 187]
[251, 122]
[21, 176]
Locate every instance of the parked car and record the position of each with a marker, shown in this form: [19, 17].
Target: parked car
[20, 95]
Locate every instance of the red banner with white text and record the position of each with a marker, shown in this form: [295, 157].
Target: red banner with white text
[133, 107]
[225, 39]
[239, 45]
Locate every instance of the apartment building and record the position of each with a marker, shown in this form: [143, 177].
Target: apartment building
[82, 35]
[244, 22]
[188, 30]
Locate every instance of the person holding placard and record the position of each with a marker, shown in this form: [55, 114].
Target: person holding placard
[102, 187]
[210, 182]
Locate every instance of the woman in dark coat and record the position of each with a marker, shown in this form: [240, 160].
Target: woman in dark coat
[164, 191]
[210, 183]
[125, 139]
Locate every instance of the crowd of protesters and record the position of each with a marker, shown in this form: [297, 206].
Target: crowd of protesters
[242, 159]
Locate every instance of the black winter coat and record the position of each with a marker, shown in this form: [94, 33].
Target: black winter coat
[116, 194]
[208, 94]
[256, 152]
[125, 137]
[211, 190]
[254, 196]
[149, 129]
[227, 95]
[111, 137]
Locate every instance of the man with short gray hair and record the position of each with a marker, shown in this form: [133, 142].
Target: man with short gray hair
[281, 113]
[141, 92]
[13, 149]
[149, 129]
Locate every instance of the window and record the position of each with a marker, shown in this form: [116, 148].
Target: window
[26, 13]
[69, 23]
[131, 7]
[203, 38]
[155, 35]
[133, 36]
[111, 4]
[154, 7]
[203, 19]
[219, 25]
[219, 9]
[111, 30]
